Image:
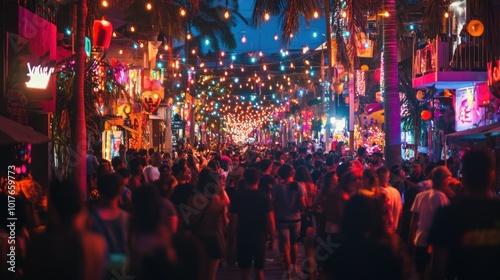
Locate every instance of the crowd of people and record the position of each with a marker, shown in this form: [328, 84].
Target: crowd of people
[185, 214]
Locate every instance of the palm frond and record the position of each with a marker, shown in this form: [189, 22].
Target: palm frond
[431, 26]
[215, 29]
[485, 11]
[274, 8]
[241, 17]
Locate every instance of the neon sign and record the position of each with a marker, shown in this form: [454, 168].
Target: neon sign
[39, 76]
[88, 46]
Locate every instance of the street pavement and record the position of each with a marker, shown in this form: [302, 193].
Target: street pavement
[273, 268]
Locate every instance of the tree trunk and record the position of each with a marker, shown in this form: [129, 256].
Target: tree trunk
[328, 78]
[78, 129]
[392, 107]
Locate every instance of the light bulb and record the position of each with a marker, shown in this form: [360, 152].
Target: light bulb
[166, 47]
[183, 13]
[104, 3]
[266, 16]
[244, 39]
[276, 37]
[132, 29]
[226, 15]
[148, 6]
[316, 14]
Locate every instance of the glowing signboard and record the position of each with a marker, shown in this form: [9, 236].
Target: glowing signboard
[88, 46]
[467, 110]
[39, 76]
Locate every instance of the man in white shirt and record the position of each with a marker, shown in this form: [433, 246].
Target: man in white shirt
[424, 208]
[394, 202]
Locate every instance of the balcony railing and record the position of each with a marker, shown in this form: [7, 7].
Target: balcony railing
[466, 53]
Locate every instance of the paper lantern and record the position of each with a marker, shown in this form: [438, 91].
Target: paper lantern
[426, 115]
[364, 67]
[373, 107]
[338, 87]
[483, 94]
[475, 28]
[376, 75]
[103, 31]
[420, 95]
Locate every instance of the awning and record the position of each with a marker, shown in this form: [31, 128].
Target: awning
[114, 120]
[12, 132]
[129, 129]
[155, 117]
[476, 134]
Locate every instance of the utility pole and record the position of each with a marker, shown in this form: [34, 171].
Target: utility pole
[328, 73]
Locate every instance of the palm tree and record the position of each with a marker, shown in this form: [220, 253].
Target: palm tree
[289, 12]
[357, 9]
[392, 109]
[78, 128]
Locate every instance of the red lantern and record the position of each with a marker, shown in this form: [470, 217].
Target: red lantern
[426, 115]
[376, 75]
[103, 30]
[483, 94]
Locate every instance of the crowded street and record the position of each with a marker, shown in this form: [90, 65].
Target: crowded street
[263, 140]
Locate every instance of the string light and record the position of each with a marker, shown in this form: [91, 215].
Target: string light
[226, 15]
[166, 47]
[316, 14]
[149, 6]
[132, 28]
[244, 39]
[266, 16]
[183, 12]
[104, 3]
[276, 37]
